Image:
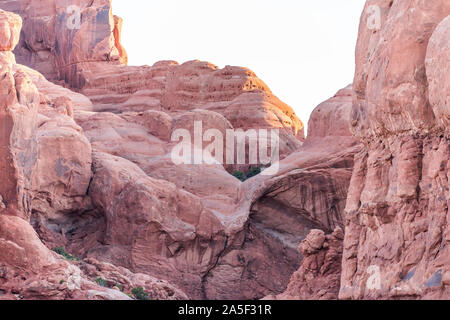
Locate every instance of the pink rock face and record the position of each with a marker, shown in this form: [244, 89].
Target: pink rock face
[309, 192]
[151, 224]
[397, 223]
[235, 93]
[18, 120]
[63, 168]
[57, 36]
[98, 179]
[122, 279]
[318, 277]
[437, 65]
[332, 118]
[391, 74]
[10, 25]
[28, 270]
[86, 55]
[45, 168]
[219, 256]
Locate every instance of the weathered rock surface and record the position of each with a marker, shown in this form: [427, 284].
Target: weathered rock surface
[318, 278]
[124, 280]
[437, 65]
[45, 168]
[28, 269]
[10, 26]
[59, 36]
[397, 221]
[308, 192]
[200, 212]
[85, 54]
[218, 238]
[92, 170]
[332, 117]
[152, 225]
[18, 120]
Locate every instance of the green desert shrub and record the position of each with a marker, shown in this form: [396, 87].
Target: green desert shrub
[247, 175]
[239, 175]
[254, 171]
[61, 251]
[101, 282]
[140, 294]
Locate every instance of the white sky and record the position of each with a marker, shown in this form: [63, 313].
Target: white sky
[303, 49]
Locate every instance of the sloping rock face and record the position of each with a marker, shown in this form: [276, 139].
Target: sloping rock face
[28, 269]
[319, 275]
[218, 238]
[128, 118]
[18, 116]
[58, 36]
[437, 62]
[45, 168]
[397, 220]
[99, 179]
[332, 117]
[77, 43]
[309, 192]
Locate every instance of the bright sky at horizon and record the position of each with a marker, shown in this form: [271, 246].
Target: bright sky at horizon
[303, 50]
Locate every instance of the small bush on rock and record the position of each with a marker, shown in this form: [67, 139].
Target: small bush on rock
[61, 251]
[247, 175]
[101, 282]
[140, 294]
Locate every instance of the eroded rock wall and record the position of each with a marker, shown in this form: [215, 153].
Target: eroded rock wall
[104, 185]
[397, 220]
[45, 173]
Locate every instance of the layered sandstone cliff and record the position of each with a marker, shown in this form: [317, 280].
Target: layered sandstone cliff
[45, 165]
[104, 185]
[88, 166]
[397, 220]
[77, 44]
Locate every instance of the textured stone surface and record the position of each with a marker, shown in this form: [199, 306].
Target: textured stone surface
[437, 65]
[332, 117]
[319, 275]
[28, 270]
[201, 230]
[397, 221]
[218, 238]
[19, 101]
[153, 226]
[45, 168]
[90, 59]
[390, 82]
[309, 192]
[56, 37]
[124, 280]
[198, 234]
[10, 26]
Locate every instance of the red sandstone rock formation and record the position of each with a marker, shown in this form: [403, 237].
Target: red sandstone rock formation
[91, 171]
[206, 231]
[59, 36]
[397, 221]
[90, 59]
[332, 117]
[147, 105]
[309, 192]
[45, 168]
[318, 278]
